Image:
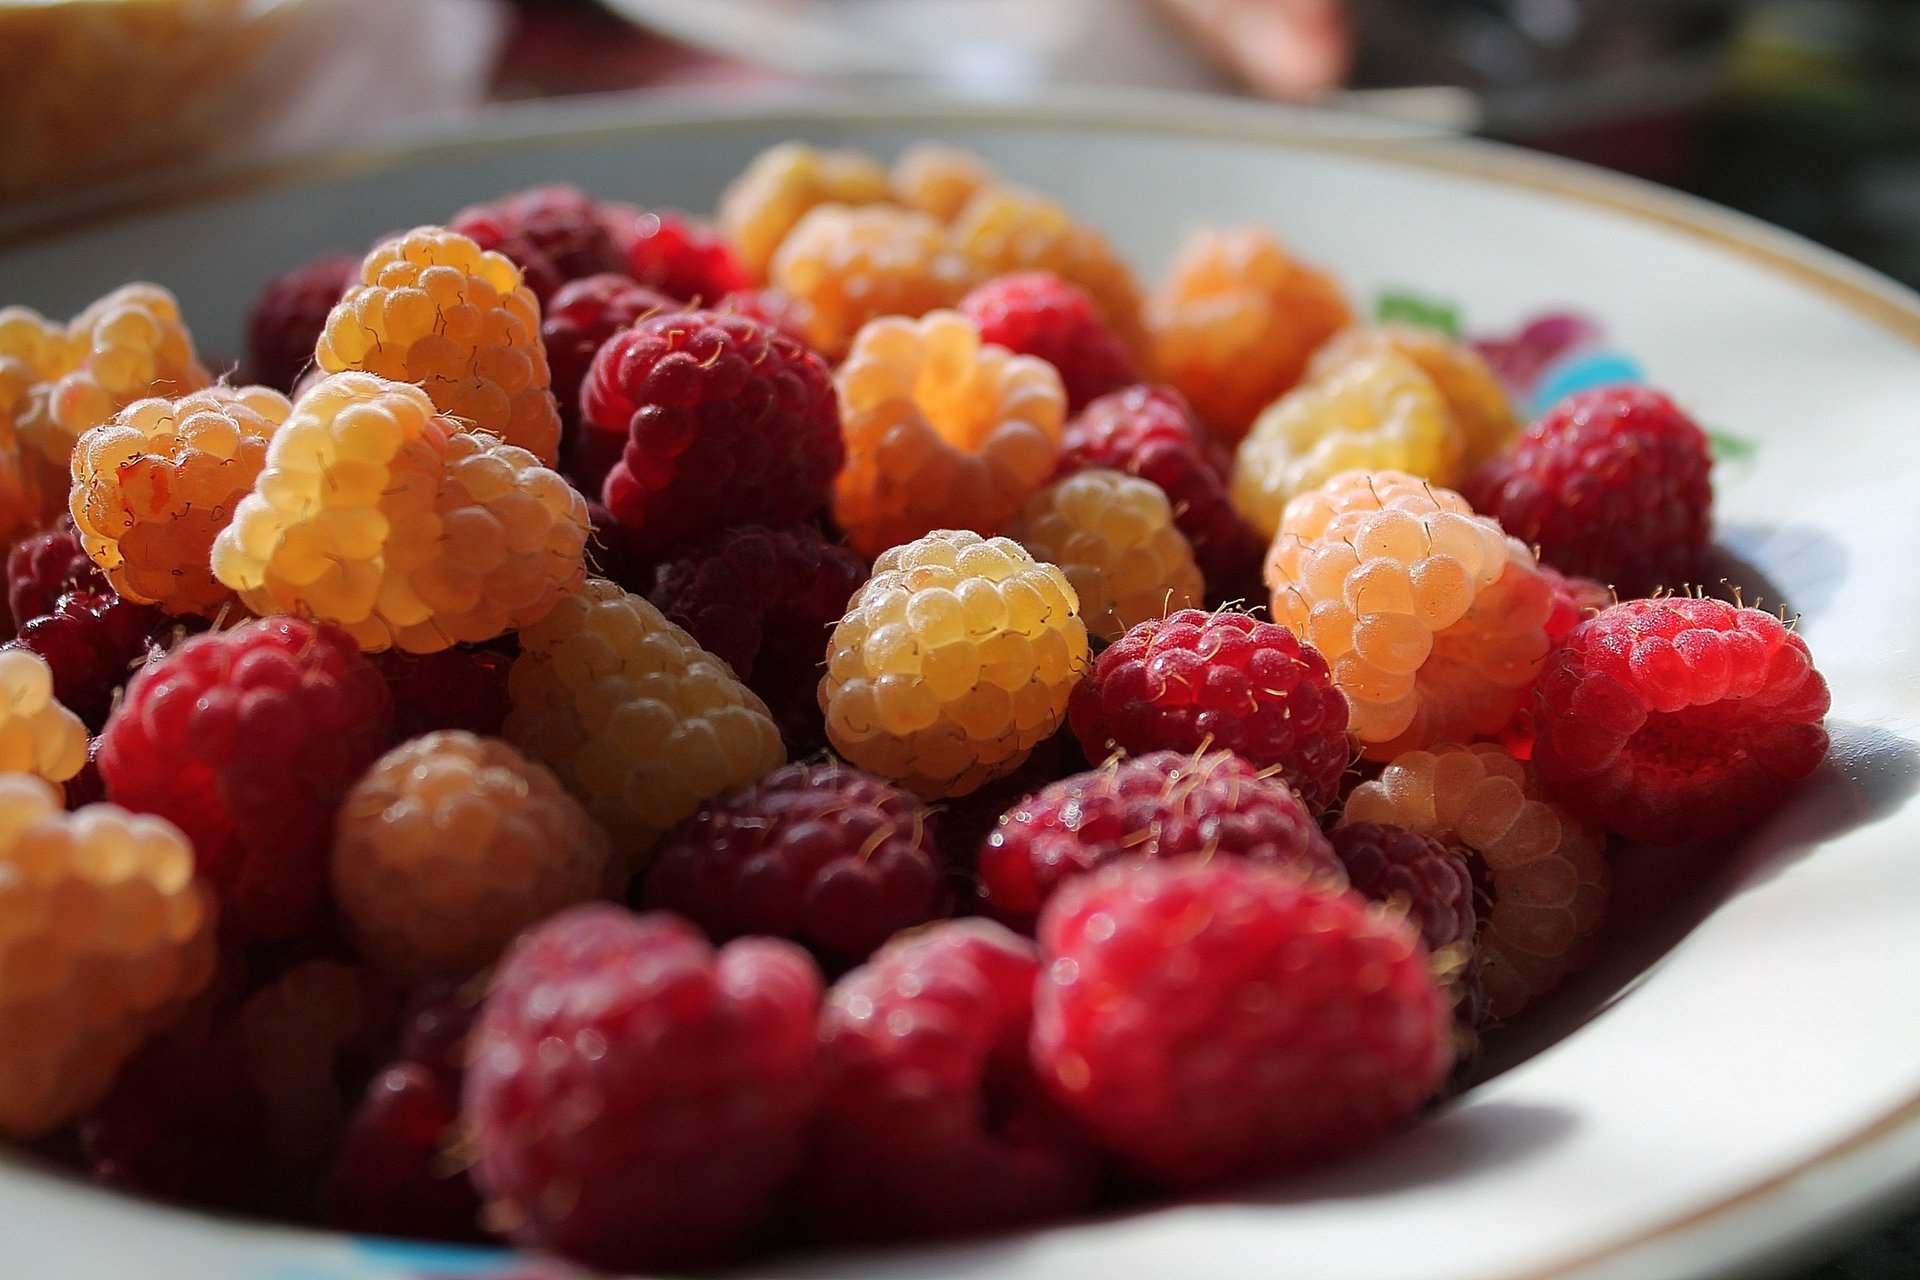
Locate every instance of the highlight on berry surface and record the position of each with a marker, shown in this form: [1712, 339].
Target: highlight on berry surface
[38, 736]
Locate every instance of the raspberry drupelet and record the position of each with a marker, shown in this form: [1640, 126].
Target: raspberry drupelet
[849, 264]
[1481, 417]
[952, 663]
[1432, 886]
[573, 327]
[94, 641]
[678, 255]
[38, 736]
[1036, 313]
[41, 568]
[938, 179]
[554, 234]
[774, 192]
[287, 318]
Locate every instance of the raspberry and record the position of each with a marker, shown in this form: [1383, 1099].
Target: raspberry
[575, 325]
[247, 739]
[108, 935]
[554, 234]
[760, 207]
[1217, 1019]
[1614, 484]
[1520, 361]
[1196, 681]
[435, 309]
[1165, 804]
[690, 1072]
[1149, 432]
[725, 422]
[827, 856]
[849, 264]
[94, 641]
[287, 318]
[376, 514]
[1477, 405]
[942, 431]
[637, 720]
[1679, 719]
[1574, 601]
[394, 1174]
[679, 256]
[952, 663]
[933, 1120]
[1547, 874]
[1037, 314]
[153, 488]
[937, 179]
[772, 308]
[34, 353]
[613, 552]
[1428, 883]
[764, 600]
[1431, 618]
[457, 688]
[37, 734]
[1113, 535]
[43, 567]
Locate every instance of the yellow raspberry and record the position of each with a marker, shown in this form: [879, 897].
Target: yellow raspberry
[104, 934]
[154, 487]
[761, 206]
[952, 663]
[34, 353]
[437, 310]
[1477, 405]
[938, 179]
[1235, 321]
[1113, 535]
[37, 734]
[633, 716]
[1377, 412]
[1431, 618]
[450, 845]
[1548, 873]
[375, 513]
[847, 264]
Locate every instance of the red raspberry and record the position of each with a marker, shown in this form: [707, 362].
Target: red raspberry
[933, 1120]
[678, 255]
[1216, 1019]
[394, 1174]
[1574, 601]
[726, 422]
[94, 640]
[1678, 719]
[1613, 485]
[1431, 884]
[1036, 313]
[1164, 804]
[1149, 432]
[612, 551]
[40, 569]
[1520, 360]
[457, 688]
[765, 600]
[287, 318]
[772, 307]
[822, 854]
[636, 1099]
[1193, 681]
[583, 314]
[553, 234]
[246, 740]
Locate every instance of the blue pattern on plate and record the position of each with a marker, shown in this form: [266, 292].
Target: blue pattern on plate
[385, 1256]
[1582, 370]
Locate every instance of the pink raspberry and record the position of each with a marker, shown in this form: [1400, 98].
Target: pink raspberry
[678, 255]
[726, 422]
[1164, 804]
[1430, 884]
[933, 1120]
[582, 315]
[1678, 719]
[692, 1073]
[765, 600]
[1614, 485]
[1193, 681]
[457, 688]
[287, 318]
[553, 234]
[1574, 601]
[1217, 1019]
[1036, 313]
[246, 740]
[41, 568]
[94, 641]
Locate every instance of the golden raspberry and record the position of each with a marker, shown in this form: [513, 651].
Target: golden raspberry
[37, 734]
[1547, 872]
[375, 513]
[450, 845]
[952, 663]
[437, 310]
[942, 430]
[153, 488]
[1432, 619]
[760, 206]
[634, 717]
[104, 934]
[1482, 417]
[938, 179]
[34, 353]
[1113, 535]
[1377, 412]
[1235, 321]
[847, 264]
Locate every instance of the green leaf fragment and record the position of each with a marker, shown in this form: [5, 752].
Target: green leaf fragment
[1423, 313]
[1727, 447]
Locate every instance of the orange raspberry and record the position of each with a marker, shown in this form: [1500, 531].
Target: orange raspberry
[37, 734]
[847, 264]
[938, 179]
[1481, 416]
[942, 430]
[761, 206]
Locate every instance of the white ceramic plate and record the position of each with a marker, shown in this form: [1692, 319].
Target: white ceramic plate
[1738, 1074]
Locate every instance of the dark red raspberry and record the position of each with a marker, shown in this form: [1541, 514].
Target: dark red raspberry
[1613, 485]
[774, 308]
[819, 853]
[1678, 719]
[394, 1174]
[434, 1028]
[1431, 884]
[95, 641]
[1164, 804]
[457, 688]
[933, 1121]
[1216, 1019]
[612, 553]
[41, 568]
[1036, 313]
[1520, 360]
[583, 314]
[765, 600]
[1193, 681]
[246, 740]
[726, 422]
[553, 233]
[87, 786]
[285, 323]
[678, 255]
[1151, 433]
[634, 1098]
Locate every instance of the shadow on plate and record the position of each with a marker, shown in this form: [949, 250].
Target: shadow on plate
[1804, 566]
